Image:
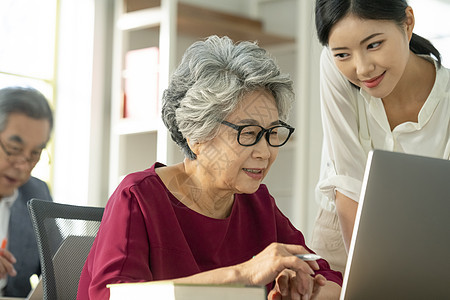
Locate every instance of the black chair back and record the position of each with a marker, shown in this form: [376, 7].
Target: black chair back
[64, 234]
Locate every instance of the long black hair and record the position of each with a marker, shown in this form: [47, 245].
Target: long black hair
[329, 12]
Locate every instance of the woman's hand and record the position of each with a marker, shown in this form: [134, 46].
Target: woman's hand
[273, 260]
[6, 263]
[288, 286]
[294, 278]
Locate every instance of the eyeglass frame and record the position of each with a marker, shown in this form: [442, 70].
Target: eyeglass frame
[264, 132]
[10, 155]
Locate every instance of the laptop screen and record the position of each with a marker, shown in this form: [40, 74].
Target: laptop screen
[401, 240]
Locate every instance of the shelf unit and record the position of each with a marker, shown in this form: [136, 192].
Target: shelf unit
[137, 144]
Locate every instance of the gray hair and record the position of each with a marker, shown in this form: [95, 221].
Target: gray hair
[23, 100]
[212, 78]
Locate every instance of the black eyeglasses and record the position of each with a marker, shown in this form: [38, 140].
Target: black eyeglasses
[15, 157]
[249, 135]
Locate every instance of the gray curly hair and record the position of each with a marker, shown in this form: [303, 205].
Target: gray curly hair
[212, 78]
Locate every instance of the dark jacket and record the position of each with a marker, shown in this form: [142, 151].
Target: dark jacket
[22, 241]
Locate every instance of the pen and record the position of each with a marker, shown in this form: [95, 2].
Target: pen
[308, 257]
[3, 246]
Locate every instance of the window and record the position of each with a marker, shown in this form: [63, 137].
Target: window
[27, 52]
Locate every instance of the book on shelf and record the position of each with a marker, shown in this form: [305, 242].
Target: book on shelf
[169, 290]
[140, 98]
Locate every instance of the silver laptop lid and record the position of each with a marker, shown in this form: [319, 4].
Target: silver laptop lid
[400, 247]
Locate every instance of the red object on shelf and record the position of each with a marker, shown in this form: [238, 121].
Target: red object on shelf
[140, 99]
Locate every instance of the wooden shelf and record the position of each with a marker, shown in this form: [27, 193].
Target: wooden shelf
[144, 18]
[200, 22]
[133, 5]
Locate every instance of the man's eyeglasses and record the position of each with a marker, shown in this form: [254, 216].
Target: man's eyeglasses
[249, 135]
[15, 157]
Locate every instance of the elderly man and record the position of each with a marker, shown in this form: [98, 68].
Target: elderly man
[26, 123]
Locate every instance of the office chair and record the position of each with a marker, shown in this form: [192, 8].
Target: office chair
[64, 234]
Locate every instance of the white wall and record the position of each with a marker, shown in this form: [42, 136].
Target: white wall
[308, 118]
[73, 107]
[82, 111]
[432, 23]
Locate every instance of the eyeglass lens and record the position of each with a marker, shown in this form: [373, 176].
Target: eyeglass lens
[252, 133]
[16, 158]
[21, 158]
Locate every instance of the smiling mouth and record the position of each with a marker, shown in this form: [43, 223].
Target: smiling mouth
[254, 171]
[374, 82]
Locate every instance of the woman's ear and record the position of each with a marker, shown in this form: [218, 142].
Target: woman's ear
[195, 147]
[409, 22]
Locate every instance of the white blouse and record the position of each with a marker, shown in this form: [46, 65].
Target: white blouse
[355, 122]
[5, 213]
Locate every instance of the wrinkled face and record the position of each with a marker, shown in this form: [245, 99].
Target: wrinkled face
[372, 54]
[231, 166]
[24, 138]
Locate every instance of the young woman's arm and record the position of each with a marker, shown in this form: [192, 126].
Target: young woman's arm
[346, 209]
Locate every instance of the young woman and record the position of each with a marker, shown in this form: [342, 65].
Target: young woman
[382, 86]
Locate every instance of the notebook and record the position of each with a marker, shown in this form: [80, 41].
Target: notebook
[169, 290]
[400, 248]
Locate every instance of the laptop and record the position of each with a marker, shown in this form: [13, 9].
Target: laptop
[400, 248]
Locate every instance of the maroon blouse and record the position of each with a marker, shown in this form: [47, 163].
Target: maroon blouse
[147, 234]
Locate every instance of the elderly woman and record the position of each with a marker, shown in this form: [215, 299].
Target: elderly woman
[209, 219]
